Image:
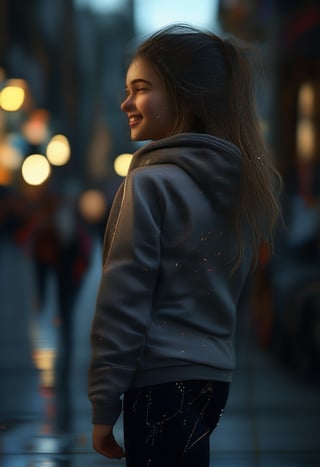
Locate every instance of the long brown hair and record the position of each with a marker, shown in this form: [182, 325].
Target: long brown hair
[211, 83]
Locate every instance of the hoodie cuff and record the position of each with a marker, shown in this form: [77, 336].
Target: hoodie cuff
[106, 414]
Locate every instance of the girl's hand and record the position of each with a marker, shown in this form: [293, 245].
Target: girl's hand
[103, 442]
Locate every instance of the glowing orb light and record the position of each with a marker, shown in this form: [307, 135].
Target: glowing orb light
[58, 150]
[35, 169]
[122, 163]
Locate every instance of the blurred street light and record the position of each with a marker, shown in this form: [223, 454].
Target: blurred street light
[35, 169]
[58, 150]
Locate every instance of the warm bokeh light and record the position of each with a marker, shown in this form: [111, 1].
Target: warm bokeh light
[306, 99]
[5, 176]
[305, 139]
[44, 359]
[58, 150]
[35, 169]
[93, 205]
[122, 163]
[10, 157]
[306, 130]
[35, 129]
[12, 96]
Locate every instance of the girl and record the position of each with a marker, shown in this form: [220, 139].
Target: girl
[182, 236]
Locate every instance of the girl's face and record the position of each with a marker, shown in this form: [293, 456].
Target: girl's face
[147, 105]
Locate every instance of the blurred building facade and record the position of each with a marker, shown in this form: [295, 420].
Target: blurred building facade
[71, 58]
[286, 291]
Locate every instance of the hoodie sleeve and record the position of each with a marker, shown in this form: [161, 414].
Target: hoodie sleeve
[124, 301]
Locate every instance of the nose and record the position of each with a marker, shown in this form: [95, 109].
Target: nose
[126, 104]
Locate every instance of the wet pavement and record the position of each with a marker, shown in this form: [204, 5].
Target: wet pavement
[272, 418]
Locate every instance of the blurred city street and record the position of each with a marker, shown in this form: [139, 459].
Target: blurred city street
[271, 420]
[64, 149]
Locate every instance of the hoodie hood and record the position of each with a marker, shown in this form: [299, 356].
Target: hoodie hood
[213, 163]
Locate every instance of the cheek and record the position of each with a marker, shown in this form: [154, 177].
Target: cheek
[166, 111]
[157, 111]
[151, 107]
[167, 116]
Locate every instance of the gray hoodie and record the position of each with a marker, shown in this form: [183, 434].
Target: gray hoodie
[167, 303]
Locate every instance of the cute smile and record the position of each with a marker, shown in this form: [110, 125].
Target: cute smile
[134, 119]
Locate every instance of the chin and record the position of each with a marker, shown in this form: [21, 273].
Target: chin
[134, 135]
[138, 137]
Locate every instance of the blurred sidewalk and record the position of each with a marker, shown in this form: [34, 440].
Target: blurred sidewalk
[272, 418]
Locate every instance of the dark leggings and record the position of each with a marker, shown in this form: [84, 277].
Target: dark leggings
[169, 425]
